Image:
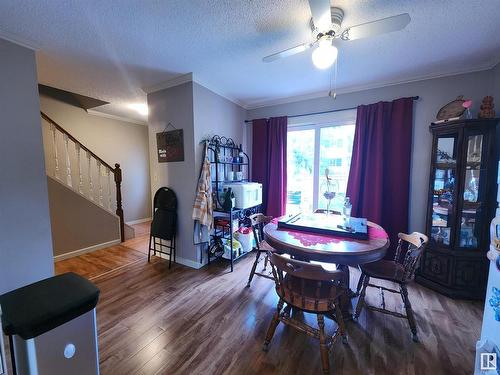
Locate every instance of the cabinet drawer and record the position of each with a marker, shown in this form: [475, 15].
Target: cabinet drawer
[437, 267]
[469, 273]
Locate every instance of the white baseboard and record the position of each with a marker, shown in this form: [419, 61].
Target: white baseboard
[133, 222]
[85, 250]
[185, 262]
[188, 262]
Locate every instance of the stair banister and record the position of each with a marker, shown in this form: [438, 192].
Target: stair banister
[116, 170]
[119, 209]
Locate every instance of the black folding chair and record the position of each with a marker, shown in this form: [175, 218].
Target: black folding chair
[164, 224]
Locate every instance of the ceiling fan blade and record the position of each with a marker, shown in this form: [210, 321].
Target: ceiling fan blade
[382, 26]
[321, 14]
[288, 52]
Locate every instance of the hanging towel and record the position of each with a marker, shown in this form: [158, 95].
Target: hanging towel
[202, 207]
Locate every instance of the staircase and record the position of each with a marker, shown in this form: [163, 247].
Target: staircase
[84, 194]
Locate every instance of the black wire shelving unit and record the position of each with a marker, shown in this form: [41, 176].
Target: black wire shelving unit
[226, 156]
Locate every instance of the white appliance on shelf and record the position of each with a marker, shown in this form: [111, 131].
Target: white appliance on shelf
[247, 194]
[488, 347]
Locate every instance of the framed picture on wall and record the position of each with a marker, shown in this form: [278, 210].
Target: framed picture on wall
[170, 146]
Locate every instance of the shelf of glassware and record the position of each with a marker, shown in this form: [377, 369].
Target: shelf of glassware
[471, 215]
[443, 206]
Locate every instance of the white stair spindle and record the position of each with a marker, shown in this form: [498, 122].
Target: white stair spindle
[78, 160]
[99, 181]
[109, 190]
[68, 163]
[54, 149]
[91, 185]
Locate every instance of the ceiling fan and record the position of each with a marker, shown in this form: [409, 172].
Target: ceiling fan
[326, 25]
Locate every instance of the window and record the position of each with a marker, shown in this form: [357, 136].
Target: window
[300, 169]
[336, 162]
[314, 145]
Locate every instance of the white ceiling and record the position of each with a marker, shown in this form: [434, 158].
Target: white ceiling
[112, 49]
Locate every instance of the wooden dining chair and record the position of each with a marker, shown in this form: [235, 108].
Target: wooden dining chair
[400, 270]
[258, 221]
[309, 288]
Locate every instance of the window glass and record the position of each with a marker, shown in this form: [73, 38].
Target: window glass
[300, 169]
[312, 151]
[335, 153]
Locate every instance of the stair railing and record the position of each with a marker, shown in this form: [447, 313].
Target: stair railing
[89, 178]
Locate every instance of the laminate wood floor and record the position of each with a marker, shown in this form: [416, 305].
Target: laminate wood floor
[152, 320]
[100, 262]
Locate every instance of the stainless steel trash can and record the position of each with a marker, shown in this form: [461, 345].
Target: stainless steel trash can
[51, 326]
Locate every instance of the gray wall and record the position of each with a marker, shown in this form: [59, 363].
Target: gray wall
[25, 240]
[434, 93]
[175, 105]
[496, 88]
[201, 113]
[114, 141]
[215, 115]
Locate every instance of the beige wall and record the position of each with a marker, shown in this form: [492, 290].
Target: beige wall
[25, 237]
[77, 223]
[115, 142]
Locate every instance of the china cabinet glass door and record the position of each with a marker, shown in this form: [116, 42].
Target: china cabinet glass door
[443, 187]
[471, 215]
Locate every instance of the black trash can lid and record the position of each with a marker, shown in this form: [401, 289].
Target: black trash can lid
[37, 308]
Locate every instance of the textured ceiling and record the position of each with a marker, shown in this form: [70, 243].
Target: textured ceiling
[111, 49]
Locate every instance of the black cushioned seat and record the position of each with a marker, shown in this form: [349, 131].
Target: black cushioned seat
[39, 307]
[163, 224]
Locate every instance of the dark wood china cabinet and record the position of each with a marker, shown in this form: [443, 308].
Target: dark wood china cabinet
[461, 204]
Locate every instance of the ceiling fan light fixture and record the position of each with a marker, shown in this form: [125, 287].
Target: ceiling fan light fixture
[325, 55]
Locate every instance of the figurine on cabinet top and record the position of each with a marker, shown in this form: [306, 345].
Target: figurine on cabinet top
[487, 106]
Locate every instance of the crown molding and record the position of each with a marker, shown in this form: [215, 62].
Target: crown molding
[19, 40]
[222, 95]
[353, 89]
[189, 77]
[93, 112]
[179, 80]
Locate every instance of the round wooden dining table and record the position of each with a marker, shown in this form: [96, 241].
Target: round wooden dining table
[328, 248]
[342, 251]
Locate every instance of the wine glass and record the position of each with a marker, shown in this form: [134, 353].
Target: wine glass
[328, 192]
[329, 195]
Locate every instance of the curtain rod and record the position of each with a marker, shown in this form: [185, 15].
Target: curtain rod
[330, 111]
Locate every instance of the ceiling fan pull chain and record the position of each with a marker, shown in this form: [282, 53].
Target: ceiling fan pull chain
[333, 77]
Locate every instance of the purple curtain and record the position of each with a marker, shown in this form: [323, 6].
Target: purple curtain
[269, 162]
[260, 157]
[379, 178]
